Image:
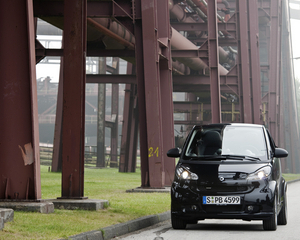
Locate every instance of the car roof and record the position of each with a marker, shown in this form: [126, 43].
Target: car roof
[220, 125]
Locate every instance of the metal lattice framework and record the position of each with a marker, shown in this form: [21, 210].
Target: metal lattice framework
[228, 56]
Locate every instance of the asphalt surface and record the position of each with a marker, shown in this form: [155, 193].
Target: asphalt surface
[161, 220]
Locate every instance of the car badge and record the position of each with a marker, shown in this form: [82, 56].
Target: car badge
[221, 179]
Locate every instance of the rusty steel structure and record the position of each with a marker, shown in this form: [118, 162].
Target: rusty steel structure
[229, 57]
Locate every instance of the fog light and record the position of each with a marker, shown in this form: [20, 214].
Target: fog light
[194, 207]
[250, 208]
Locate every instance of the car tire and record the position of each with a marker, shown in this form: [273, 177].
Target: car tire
[282, 216]
[178, 223]
[270, 224]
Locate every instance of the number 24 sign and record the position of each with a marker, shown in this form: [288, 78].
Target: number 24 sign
[153, 152]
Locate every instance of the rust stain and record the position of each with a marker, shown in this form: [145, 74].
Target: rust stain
[27, 154]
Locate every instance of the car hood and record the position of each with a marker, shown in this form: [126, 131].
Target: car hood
[213, 170]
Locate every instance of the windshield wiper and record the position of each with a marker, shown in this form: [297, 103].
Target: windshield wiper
[241, 157]
[207, 157]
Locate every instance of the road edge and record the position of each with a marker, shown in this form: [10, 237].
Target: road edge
[123, 228]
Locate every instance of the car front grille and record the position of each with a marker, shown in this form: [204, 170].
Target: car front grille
[221, 209]
[222, 188]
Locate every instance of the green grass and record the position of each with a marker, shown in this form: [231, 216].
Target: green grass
[106, 184]
[291, 176]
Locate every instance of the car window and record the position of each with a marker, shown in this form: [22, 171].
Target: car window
[230, 140]
[244, 141]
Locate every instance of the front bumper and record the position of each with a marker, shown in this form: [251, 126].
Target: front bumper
[256, 203]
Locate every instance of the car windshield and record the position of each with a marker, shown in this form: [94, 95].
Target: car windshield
[230, 141]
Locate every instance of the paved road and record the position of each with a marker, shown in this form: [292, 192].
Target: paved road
[229, 229]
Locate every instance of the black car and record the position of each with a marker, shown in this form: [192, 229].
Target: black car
[229, 171]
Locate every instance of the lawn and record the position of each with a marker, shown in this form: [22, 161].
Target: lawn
[106, 184]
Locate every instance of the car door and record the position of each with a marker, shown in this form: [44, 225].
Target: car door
[276, 168]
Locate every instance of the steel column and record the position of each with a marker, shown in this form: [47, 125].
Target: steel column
[19, 138]
[129, 131]
[274, 60]
[57, 141]
[245, 93]
[129, 128]
[141, 98]
[101, 116]
[114, 116]
[166, 88]
[74, 37]
[213, 50]
[152, 94]
[152, 65]
[254, 63]
[114, 129]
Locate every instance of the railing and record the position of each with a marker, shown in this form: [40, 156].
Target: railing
[90, 156]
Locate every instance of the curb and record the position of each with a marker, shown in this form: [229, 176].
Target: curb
[122, 228]
[293, 181]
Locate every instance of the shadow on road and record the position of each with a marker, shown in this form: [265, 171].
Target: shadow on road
[257, 226]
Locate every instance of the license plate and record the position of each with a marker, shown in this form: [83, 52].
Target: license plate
[233, 200]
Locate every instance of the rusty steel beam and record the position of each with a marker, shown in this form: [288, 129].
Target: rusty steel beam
[213, 49]
[151, 94]
[19, 148]
[115, 118]
[57, 141]
[193, 106]
[274, 72]
[141, 96]
[154, 73]
[254, 63]
[92, 51]
[107, 9]
[180, 82]
[74, 42]
[129, 131]
[101, 117]
[243, 48]
[166, 90]
[108, 78]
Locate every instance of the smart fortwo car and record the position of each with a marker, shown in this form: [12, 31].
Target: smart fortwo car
[229, 171]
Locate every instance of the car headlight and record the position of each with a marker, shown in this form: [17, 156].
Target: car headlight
[183, 173]
[260, 174]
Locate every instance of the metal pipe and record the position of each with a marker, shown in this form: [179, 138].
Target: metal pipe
[110, 33]
[198, 11]
[178, 42]
[178, 12]
[180, 15]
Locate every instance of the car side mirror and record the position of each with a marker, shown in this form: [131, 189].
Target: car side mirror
[174, 153]
[280, 153]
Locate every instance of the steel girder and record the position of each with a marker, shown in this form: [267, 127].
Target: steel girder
[74, 38]
[129, 139]
[19, 143]
[153, 68]
[101, 117]
[57, 141]
[213, 50]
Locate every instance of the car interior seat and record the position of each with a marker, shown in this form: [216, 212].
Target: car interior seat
[210, 143]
